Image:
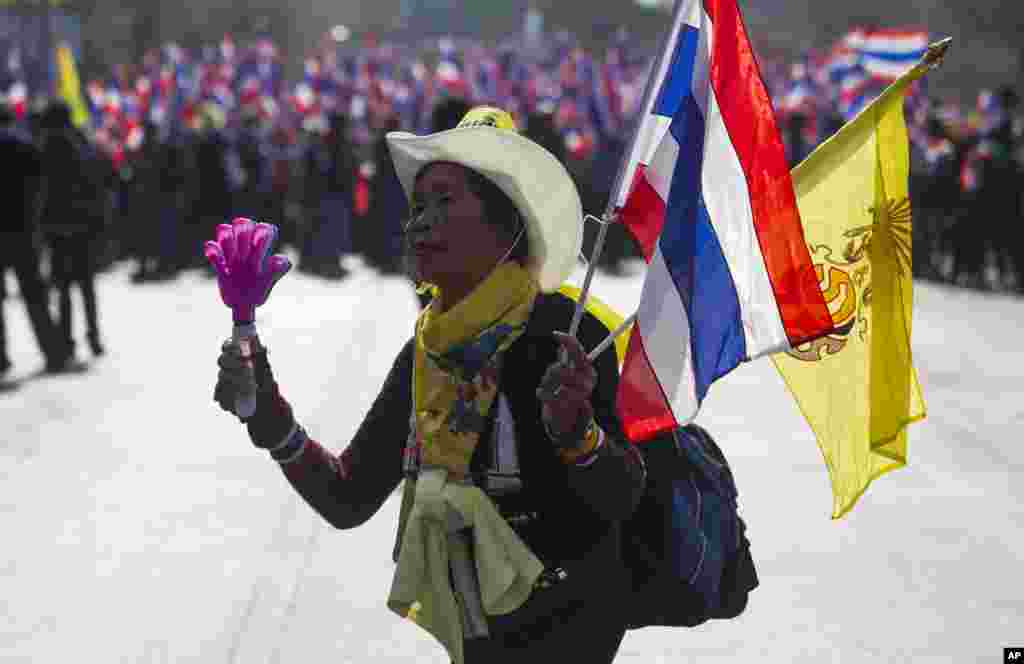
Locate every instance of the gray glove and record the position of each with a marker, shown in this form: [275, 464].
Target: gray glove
[273, 419]
[236, 379]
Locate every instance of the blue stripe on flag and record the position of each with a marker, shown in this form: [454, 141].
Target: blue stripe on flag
[676, 85]
[696, 262]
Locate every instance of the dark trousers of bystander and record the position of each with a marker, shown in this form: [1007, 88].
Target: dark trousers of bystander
[19, 254]
[73, 263]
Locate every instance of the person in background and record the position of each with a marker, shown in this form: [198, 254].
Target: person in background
[146, 206]
[212, 187]
[175, 166]
[448, 113]
[282, 155]
[797, 146]
[20, 243]
[1006, 194]
[251, 200]
[938, 200]
[330, 173]
[71, 217]
[388, 207]
[600, 179]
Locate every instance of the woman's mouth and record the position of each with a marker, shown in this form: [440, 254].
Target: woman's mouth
[424, 248]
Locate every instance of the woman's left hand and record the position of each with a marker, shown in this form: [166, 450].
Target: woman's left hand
[565, 392]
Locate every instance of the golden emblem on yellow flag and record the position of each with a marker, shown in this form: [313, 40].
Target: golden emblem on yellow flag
[857, 387]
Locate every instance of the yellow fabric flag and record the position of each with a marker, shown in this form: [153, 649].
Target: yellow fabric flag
[69, 89]
[857, 387]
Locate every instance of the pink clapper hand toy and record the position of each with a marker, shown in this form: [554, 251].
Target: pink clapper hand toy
[246, 273]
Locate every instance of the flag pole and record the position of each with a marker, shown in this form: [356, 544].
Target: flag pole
[937, 52]
[628, 157]
[610, 339]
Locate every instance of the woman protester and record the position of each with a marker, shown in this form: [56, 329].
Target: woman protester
[516, 475]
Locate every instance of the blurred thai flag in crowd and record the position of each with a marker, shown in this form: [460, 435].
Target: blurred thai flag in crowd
[886, 54]
[867, 60]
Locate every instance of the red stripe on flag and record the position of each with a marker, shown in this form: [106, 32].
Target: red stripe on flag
[750, 121]
[906, 31]
[643, 213]
[641, 404]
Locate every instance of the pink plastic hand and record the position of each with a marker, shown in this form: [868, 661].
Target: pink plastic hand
[245, 271]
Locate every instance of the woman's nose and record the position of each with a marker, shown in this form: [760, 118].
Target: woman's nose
[425, 221]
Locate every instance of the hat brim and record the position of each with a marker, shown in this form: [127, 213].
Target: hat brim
[532, 177]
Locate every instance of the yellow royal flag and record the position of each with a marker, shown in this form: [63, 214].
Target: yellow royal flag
[69, 89]
[857, 387]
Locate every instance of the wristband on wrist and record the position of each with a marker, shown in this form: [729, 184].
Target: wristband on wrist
[571, 439]
[586, 453]
[291, 448]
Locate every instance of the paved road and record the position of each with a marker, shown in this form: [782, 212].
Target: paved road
[140, 526]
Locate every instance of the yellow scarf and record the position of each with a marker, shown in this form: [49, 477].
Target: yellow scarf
[458, 363]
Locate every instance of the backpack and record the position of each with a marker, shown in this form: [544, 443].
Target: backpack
[685, 546]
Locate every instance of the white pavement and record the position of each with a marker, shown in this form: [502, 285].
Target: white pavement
[139, 524]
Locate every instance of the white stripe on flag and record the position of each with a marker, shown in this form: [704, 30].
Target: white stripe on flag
[700, 86]
[650, 134]
[727, 199]
[665, 330]
[896, 45]
[659, 171]
[887, 68]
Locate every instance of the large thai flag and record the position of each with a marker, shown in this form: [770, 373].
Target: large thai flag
[711, 202]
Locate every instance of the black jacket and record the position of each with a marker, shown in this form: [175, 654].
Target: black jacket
[576, 512]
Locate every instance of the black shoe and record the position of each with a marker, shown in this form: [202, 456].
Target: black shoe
[333, 272]
[5, 366]
[95, 347]
[57, 365]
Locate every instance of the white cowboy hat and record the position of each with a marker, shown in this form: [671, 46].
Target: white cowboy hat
[487, 142]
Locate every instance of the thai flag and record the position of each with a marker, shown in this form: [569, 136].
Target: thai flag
[711, 203]
[887, 54]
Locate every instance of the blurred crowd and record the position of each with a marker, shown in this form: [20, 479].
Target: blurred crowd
[148, 161]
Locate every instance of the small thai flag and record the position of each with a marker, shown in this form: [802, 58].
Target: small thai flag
[887, 54]
[711, 203]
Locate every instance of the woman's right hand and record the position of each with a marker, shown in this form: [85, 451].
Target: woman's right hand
[238, 375]
[236, 378]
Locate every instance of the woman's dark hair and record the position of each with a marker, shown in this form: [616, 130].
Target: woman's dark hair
[501, 212]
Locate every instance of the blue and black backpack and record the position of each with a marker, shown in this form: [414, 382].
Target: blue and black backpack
[685, 546]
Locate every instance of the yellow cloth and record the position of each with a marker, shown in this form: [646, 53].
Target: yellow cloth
[506, 570]
[457, 364]
[857, 387]
[69, 88]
